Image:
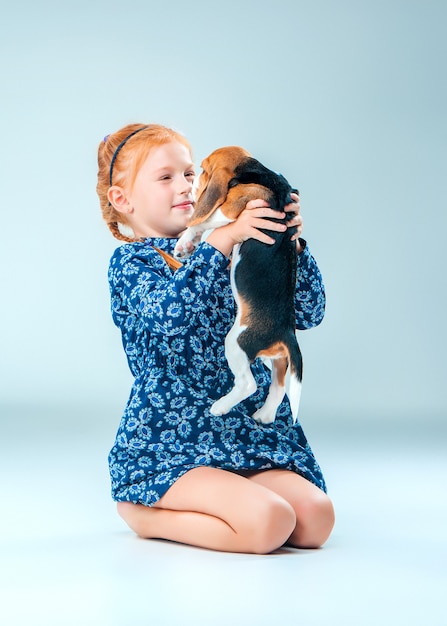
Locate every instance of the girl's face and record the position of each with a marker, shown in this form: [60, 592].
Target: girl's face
[160, 201]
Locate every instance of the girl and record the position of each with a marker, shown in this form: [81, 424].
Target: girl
[178, 472]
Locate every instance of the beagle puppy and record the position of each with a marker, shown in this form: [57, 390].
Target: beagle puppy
[263, 278]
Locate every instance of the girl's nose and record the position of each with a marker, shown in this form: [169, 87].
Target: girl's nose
[185, 185]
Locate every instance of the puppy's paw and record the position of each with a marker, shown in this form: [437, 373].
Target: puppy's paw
[183, 250]
[220, 407]
[187, 243]
[263, 415]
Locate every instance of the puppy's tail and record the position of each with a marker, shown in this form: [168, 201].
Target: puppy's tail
[295, 376]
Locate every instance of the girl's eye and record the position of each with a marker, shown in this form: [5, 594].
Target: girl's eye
[190, 174]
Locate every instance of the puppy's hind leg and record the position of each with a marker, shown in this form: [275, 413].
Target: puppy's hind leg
[244, 382]
[266, 414]
[294, 393]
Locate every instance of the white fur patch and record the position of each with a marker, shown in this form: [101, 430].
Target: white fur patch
[193, 234]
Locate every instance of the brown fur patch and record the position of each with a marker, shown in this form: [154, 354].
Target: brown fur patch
[275, 351]
[280, 366]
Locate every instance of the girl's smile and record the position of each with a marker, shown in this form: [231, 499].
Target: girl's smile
[184, 206]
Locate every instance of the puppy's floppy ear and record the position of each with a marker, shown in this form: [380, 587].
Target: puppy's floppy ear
[212, 196]
[215, 192]
[217, 171]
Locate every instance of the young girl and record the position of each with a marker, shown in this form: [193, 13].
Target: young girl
[178, 472]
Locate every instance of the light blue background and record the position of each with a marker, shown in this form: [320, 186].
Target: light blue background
[346, 98]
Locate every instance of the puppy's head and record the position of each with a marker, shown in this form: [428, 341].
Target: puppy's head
[217, 170]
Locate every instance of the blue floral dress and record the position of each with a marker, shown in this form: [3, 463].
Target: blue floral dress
[173, 327]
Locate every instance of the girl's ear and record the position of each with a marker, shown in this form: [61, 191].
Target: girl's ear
[118, 199]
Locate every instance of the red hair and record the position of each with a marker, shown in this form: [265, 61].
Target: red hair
[126, 163]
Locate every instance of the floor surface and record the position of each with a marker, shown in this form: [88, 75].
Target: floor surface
[66, 558]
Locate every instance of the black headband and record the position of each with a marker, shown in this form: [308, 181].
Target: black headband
[115, 154]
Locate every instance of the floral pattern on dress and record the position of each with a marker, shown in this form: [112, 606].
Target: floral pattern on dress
[173, 327]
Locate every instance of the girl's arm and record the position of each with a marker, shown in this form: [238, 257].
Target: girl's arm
[166, 304]
[310, 297]
[146, 293]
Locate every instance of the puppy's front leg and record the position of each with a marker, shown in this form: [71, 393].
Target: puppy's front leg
[192, 235]
[188, 241]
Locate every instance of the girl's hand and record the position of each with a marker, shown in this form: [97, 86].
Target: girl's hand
[247, 226]
[296, 220]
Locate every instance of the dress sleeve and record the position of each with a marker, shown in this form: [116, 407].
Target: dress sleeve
[310, 297]
[143, 288]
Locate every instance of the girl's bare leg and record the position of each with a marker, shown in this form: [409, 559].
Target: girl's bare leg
[216, 509]
[313, 509]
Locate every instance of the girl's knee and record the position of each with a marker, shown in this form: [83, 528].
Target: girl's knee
[315, 521]
[272, 526]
